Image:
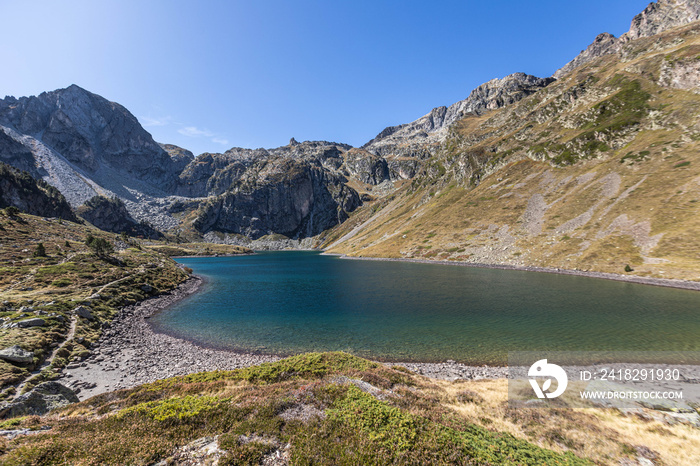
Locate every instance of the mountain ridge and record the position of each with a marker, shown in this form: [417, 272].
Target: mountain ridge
[657, 17]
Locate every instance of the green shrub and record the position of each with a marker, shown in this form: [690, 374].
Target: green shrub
[11, 211]
[40, 250]
[100, 246]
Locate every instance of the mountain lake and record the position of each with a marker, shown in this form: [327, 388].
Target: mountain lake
[296, 301]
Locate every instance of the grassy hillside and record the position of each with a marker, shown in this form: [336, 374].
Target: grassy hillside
[333, 408]
[198, 249]
[70, 274]
[598, 171]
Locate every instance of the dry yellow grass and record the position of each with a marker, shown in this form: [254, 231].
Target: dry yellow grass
[603, 435]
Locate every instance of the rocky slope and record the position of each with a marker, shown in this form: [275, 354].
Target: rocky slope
[431, 128]
[111, 215]
[19, 189]
[398, 151]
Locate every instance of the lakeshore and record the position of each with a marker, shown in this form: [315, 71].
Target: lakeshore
[131, 353]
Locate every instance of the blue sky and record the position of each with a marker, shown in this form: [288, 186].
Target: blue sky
[210, 75]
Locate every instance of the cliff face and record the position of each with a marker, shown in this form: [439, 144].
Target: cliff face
[295, 191]
[17, 155]
[657, 17]
[19, 189]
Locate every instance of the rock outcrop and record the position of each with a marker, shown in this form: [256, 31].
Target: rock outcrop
[40, 400]
[35, 197]
[657, 17]
[604, 44]
[366, 167]
[17, 355]
[661, 16]
[179, 156]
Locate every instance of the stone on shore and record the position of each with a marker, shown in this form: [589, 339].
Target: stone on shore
[82, 311]
[39, 401]
[33, 322]
[17, 355]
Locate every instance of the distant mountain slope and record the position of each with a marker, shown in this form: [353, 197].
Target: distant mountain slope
[433, 127]
[87, 146]
[398, 152]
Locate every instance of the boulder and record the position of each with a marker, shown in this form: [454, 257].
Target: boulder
[39, 401]
[82, 311]
[146, 288]
[17, 355]
[33, 322]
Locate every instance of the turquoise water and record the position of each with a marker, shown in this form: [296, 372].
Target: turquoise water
[291, 302]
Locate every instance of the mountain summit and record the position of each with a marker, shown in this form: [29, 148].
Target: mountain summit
[656, 17]
[98, 137]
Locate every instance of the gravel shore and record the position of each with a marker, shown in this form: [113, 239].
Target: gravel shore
[130, 353]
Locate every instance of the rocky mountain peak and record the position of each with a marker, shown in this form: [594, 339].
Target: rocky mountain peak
[96, 136]
[433, 127]
[604, 44]
[662, 15]
[657, 17]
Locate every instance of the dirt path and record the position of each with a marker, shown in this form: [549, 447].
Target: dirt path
[49, 360]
